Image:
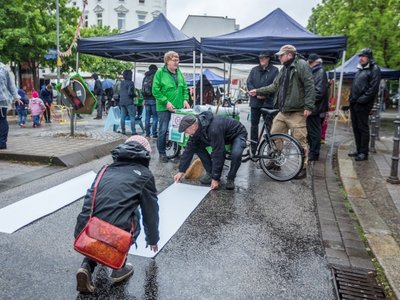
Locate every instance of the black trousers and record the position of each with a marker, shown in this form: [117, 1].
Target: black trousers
[255, 120]
[314, 129]
[359, 121]
[47, 115]
[3, 126]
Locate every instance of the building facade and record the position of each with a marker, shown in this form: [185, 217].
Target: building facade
[121, 14]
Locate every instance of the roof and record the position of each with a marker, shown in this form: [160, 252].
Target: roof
[269, 34]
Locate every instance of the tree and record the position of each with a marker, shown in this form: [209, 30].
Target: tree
[28, 31]
[374, 24]
[106, 67]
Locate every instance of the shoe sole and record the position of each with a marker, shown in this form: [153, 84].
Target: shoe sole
[83, 284]
[122, 278]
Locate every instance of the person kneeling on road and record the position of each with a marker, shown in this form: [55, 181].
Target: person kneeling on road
[126, 184]
[215, 131]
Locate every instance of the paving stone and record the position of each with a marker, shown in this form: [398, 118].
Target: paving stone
[335, 245]
[340, 254]
[358, 252]
[331, 236]
[362, 263]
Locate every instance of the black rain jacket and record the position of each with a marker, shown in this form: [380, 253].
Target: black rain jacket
[321, 90]
[365, 85]
[260, 77]
[126, 184]
[215, 131]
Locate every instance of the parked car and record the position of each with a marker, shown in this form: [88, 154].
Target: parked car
[394, 100]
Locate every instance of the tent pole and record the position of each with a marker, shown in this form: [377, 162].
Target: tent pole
[334, 84]
[338, 103]
[230, 78]
[201, 78]
[77, 62]
[194, 77]
[223, 96]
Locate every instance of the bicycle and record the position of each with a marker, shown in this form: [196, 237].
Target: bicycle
[280, 155]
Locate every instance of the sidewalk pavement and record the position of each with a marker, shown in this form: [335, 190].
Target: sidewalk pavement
[375, 203]
[334, 177]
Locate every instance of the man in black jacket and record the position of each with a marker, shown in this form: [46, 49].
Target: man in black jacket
[261, 75]
[314, 121]
[126, 184]
[363, 92]
[215, 131]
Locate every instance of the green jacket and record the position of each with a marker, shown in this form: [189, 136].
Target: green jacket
[166, 90]
[300, 94]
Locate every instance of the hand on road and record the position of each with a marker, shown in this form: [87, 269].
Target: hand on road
[214, 184]
[179, 176]
[153, 248]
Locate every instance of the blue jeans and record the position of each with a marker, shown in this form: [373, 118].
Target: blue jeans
[36, 120]
[151, 112]
[163, 122]
[3, 126]
[22, 116]
[128, 110]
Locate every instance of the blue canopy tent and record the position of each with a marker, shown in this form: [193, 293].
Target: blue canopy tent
[147, 43]
[268, 35]
[350, 68]
[213, 78]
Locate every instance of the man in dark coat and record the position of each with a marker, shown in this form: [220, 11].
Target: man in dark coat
[215, 131]
[99, 93]
[126, 184]
[46, 94]
[261, 75]
[363, 92]
[321, 105]
[126, 94]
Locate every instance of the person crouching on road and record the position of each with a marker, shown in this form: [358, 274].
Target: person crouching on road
[215, 131]
[126, 184]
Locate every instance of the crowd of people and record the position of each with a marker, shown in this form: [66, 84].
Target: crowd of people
[299, 90]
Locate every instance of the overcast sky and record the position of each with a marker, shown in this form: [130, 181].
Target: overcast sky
[245, 12]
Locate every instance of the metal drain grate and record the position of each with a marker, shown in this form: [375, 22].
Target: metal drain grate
[356, 284]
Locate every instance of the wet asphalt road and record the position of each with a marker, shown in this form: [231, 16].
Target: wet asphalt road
[260, 241]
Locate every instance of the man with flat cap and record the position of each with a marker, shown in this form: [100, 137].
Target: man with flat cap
[294, 96]
[206, 129]
[261, 75]
[364, 88]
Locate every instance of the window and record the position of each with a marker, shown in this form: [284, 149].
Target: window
[74, 3]
[141, 1]
[121, 21]
[99, 19]
[141, 20]
[86, 23]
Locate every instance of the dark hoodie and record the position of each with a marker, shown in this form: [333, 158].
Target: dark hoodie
[127, 90]
[215, 131]
[21, 106]
[126, 184]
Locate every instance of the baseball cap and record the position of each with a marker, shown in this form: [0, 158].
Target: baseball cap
[313, 57]
[141, 140]
[285, 49]
[186, 122]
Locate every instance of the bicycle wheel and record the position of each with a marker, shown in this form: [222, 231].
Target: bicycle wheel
[282, 157]
[172, 149]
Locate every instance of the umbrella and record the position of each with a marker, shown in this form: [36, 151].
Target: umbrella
[107, 83]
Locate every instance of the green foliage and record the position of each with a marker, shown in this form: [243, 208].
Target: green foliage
[28, 32]
[366, 23]
[106, 67]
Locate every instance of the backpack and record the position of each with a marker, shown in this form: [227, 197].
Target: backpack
[147, 85]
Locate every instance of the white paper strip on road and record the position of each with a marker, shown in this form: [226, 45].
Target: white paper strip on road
[23, 212]
[176, 203]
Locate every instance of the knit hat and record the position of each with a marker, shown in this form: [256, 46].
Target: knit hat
[186, 122]
[366, 52]
[141, 140]
[313, 57]
[35, 94]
